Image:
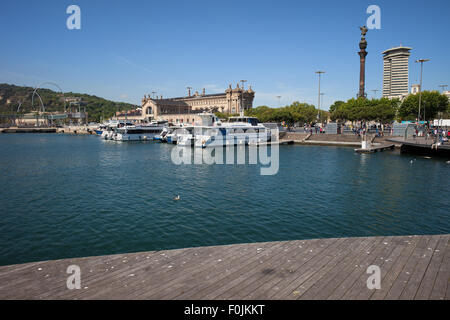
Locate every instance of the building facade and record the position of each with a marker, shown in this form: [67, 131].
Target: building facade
[396, 72]
[185, 109]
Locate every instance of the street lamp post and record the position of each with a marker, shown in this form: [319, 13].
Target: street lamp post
[375, 92]
[242, 95]
[189, 108]
[321, 102]
[318, 103]
[279, 104]
[420, 88]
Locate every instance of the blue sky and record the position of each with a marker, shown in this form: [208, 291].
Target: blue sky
[126, 49]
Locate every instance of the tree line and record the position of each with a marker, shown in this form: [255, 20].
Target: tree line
[297, 112]
[433, 105]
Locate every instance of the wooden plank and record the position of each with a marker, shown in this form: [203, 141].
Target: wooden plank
[325, 286]
[419, 271]
[157, 273]
[402, 279]
[259, 272]
[440, 287]
[347, 279]
[228, 282]
[303, 272]
[385, 268]
[310, 286]
[426, 285]
[261, 262]
[388, 279]
[55, 283]
[122, 266]
[282, 277]
[198, 277]
[276, 268]
[359, 274]
[106, 267]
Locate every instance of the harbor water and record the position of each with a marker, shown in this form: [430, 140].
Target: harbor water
[67, 196]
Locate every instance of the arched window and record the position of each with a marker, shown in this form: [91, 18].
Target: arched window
[149, 110]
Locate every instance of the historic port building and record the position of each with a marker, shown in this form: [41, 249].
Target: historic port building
[185, 109]
[395, 72]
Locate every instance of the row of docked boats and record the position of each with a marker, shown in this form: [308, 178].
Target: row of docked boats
[127, 131]
[210, 132]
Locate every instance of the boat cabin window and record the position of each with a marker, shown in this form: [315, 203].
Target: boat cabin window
[252, 121]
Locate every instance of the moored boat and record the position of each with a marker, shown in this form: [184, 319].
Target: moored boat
[240, 130]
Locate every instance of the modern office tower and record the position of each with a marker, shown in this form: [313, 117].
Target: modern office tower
[395, 72]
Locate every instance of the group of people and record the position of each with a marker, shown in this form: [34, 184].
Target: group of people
[441, 134]
[438, 134]
[313, 129]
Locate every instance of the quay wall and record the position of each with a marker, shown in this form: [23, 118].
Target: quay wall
[76, 130]
[327, 139]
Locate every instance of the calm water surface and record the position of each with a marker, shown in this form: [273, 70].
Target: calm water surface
[69, 196]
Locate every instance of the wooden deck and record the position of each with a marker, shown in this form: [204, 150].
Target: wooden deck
[412, 267]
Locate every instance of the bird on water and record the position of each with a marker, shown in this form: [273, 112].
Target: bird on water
[177, 198]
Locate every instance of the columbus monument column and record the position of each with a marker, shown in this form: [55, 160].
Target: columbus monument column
[362, 58]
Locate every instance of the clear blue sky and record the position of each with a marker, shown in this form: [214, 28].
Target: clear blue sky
[126, 49]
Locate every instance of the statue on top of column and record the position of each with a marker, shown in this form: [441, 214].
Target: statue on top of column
[363, 31]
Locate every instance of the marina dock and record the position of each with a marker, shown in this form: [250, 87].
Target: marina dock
[412, 267]
[278, 142]
[376, 148]
[422, 146]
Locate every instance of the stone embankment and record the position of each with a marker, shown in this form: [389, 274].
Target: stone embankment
[327, 139]
[76, 130]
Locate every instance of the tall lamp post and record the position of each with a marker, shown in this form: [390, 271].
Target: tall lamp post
[321, 102]
[421, 61]
[242, 95]
[318, 102]
[375, 92]
[189, 108]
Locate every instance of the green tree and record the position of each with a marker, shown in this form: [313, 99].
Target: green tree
[361, 109]
[432, 103]
[296, 112]
[336, 105]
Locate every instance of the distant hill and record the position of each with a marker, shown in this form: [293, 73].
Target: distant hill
[11, 95]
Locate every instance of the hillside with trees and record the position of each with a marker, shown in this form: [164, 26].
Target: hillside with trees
[97, 108]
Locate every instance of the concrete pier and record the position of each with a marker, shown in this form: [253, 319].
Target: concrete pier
[412, 267]
[422, 146]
